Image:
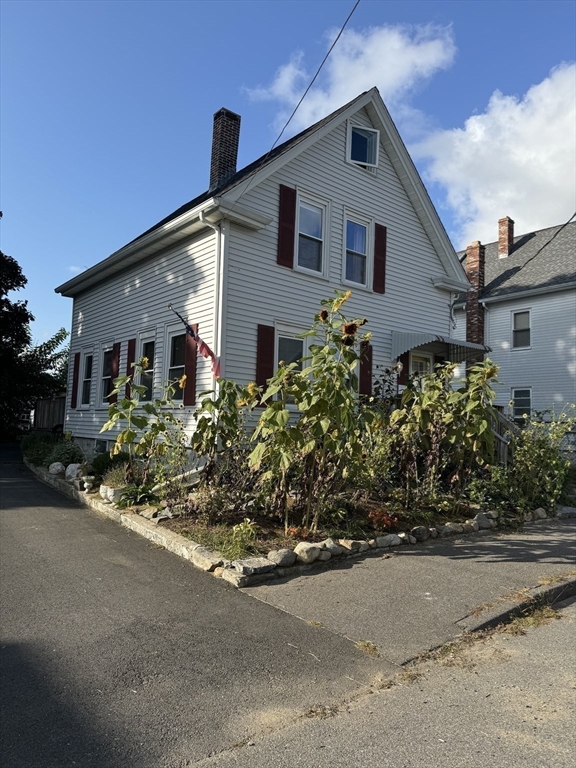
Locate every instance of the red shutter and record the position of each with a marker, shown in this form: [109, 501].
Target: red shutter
[265, 355]
[405, 372]
[75, 377]
[130, 358]
[190, 359]
[379, 281]
[115, 368]
[365, 378]
[286, 226]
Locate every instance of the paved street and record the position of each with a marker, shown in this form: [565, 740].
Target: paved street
[117, 653]
[508, 702]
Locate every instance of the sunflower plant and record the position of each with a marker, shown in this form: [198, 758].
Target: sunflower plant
[310, 436]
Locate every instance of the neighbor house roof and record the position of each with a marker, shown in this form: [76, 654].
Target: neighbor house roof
[538, 262]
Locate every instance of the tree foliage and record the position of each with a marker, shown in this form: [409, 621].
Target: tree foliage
[28, 371]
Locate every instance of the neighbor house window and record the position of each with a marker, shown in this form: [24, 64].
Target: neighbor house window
[87, 379]
[106, 383]
[420, 364]
[310, 236]
[356, 252]
[147, 376]
[363, 146]
[520, 330]
[521, 403]
[177, 346]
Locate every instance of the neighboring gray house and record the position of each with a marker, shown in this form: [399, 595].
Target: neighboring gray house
[340, 205]
[523, 305]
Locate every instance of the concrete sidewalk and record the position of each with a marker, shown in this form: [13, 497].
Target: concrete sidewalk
[412, 599]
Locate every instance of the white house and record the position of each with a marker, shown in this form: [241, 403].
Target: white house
[523, 305]
[338, 206]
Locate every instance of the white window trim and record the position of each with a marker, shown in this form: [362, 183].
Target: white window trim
[303, 196]
[291, 331]
[86, 352]
[143, 338]
[367, 222]
[364, 166]
[517, 312]
[516, 389]
[415, 353]
[105, 346]
[171, 330]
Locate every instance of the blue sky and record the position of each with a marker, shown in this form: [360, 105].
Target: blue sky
[106, 111]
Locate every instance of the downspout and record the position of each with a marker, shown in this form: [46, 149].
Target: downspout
[218, 289]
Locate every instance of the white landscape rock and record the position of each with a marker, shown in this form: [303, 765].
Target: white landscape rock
[56, 468]
[540, 514]
[330, 546]
[252, 565]
[306, 553]
[484, 522]
[282, 557]
[72, 472]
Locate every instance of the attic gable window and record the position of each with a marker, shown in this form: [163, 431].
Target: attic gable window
[363, 146]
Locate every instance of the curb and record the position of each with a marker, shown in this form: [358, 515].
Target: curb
[214, 563]
[510, 609]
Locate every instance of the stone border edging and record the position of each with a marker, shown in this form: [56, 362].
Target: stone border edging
[258, 569]
[506, 611]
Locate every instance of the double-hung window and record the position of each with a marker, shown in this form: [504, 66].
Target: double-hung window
[363, 144]
[311, 227]
[106, 384]
[86, 379]
[521, 329]
[177, 351]
[147, 376]
[521, 403]
[420, 364]
[356, 268]
[289, 349]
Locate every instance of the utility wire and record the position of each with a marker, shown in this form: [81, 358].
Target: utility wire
[287, 123]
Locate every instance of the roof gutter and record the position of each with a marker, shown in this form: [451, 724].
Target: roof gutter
[208, 213]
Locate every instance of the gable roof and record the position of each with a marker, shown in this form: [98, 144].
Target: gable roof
[539, 262]
[189, 217]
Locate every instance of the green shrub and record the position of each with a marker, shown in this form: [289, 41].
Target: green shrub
[536, 475]
[136, 494]
[36, 446]
[103, 462]
[66, 452]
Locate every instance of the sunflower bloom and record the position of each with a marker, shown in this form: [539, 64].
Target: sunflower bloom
[182, 381]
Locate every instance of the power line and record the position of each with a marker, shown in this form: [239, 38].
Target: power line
[287, 123]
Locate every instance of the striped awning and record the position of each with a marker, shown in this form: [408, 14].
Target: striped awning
[458, 349]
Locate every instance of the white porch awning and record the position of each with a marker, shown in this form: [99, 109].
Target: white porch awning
[458, 349]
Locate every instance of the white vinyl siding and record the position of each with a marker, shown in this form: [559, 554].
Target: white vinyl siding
[261, 291]
[129, 303]
[548, 367]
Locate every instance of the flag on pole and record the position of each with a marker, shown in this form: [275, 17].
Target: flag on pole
[202, 347]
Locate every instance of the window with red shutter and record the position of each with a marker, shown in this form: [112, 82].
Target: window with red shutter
[286, 226]
[379, 280]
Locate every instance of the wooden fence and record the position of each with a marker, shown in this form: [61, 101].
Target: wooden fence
[49, 412]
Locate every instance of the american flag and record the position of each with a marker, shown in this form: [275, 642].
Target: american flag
[203, 348]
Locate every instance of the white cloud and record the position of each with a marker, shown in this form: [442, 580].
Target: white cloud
[76, 270]
[396, 59]
[516, 159]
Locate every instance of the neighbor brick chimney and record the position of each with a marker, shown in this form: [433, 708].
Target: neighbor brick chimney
[225, 139]
[505, 236]
[474, 310]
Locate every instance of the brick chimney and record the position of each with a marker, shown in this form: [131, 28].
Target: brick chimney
[505, 236]
[225, 139]
[474, 310]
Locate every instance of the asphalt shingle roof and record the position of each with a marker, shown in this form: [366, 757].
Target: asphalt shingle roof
[540, 259]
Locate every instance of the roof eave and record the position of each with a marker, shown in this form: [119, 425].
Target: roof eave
[186, 225]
